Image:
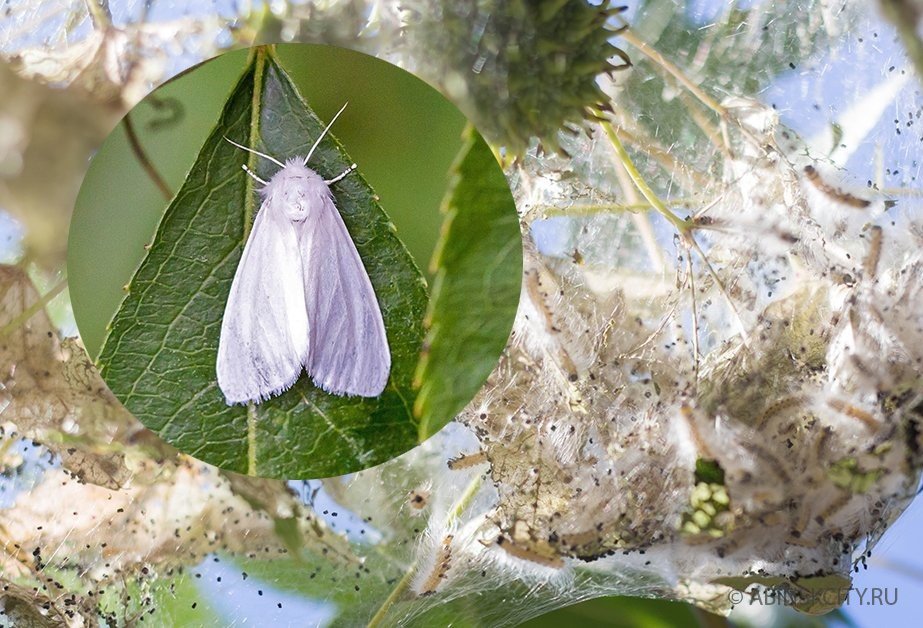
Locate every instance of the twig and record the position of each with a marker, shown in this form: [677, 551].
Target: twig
[717, 135]
[911, 192]
[695, 322]
[681, 225]
[142, 157]
[551, 211]
[30, 311]
[690, 178]
[641, 222]
[722, 289]
[684, 227]
[99, 13]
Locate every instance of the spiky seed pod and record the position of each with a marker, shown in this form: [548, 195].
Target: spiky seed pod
[519, 68]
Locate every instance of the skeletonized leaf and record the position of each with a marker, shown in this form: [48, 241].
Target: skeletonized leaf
[50, 391]
[121, 488]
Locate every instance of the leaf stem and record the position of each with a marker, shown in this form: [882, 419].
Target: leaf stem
[551, 211]
[722, 289]
[259, 65]
[642, 222]
[258, 60]
[718, 136]
[30, 311]
[695, 322]
[899, 191]
[143, 158]
[689, 178]
[684, 227]
[99, 13]
[678, 223]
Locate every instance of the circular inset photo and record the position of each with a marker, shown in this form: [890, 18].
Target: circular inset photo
[295, 261]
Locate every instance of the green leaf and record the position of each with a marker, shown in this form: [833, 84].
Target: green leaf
[814, 595]
[355, 592]
[167, 598]
[707, 470]
[478, 271]
[360, 594]
[626, 612]
[160, 351]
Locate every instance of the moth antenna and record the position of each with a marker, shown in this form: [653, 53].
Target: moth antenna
[341, 175]
[323, 133]
[256, 152]
[252, 174]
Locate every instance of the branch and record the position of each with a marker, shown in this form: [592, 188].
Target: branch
[146, 163]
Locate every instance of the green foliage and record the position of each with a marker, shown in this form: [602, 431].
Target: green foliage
[522, 68]
[159, 355]
[314, 577]
[478, 266]
[165, 601]
[849, 475]
[707, 470]
[373, 594]
[624, 612]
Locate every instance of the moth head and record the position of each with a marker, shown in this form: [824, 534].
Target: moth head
[297, 189]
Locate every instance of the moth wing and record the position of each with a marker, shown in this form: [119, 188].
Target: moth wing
[264, 332]
[348, 350]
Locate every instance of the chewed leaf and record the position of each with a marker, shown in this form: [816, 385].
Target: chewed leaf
[478, 277]
[160, 352]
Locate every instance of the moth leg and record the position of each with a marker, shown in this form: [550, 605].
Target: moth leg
[341, 175]
[252, 174]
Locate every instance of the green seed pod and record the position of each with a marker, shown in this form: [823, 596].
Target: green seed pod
[518, 68]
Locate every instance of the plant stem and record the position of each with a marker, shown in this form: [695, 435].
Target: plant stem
[678, 223]
[258, 58]
[689, 178]
[911, 192]
[99, 13]
[717, 136]
[551, 211]
[721, 288]
[30, 311]
[684, 227]
[642, 222]
[143, 159]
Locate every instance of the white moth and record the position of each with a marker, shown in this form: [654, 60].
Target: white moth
[301, 298]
